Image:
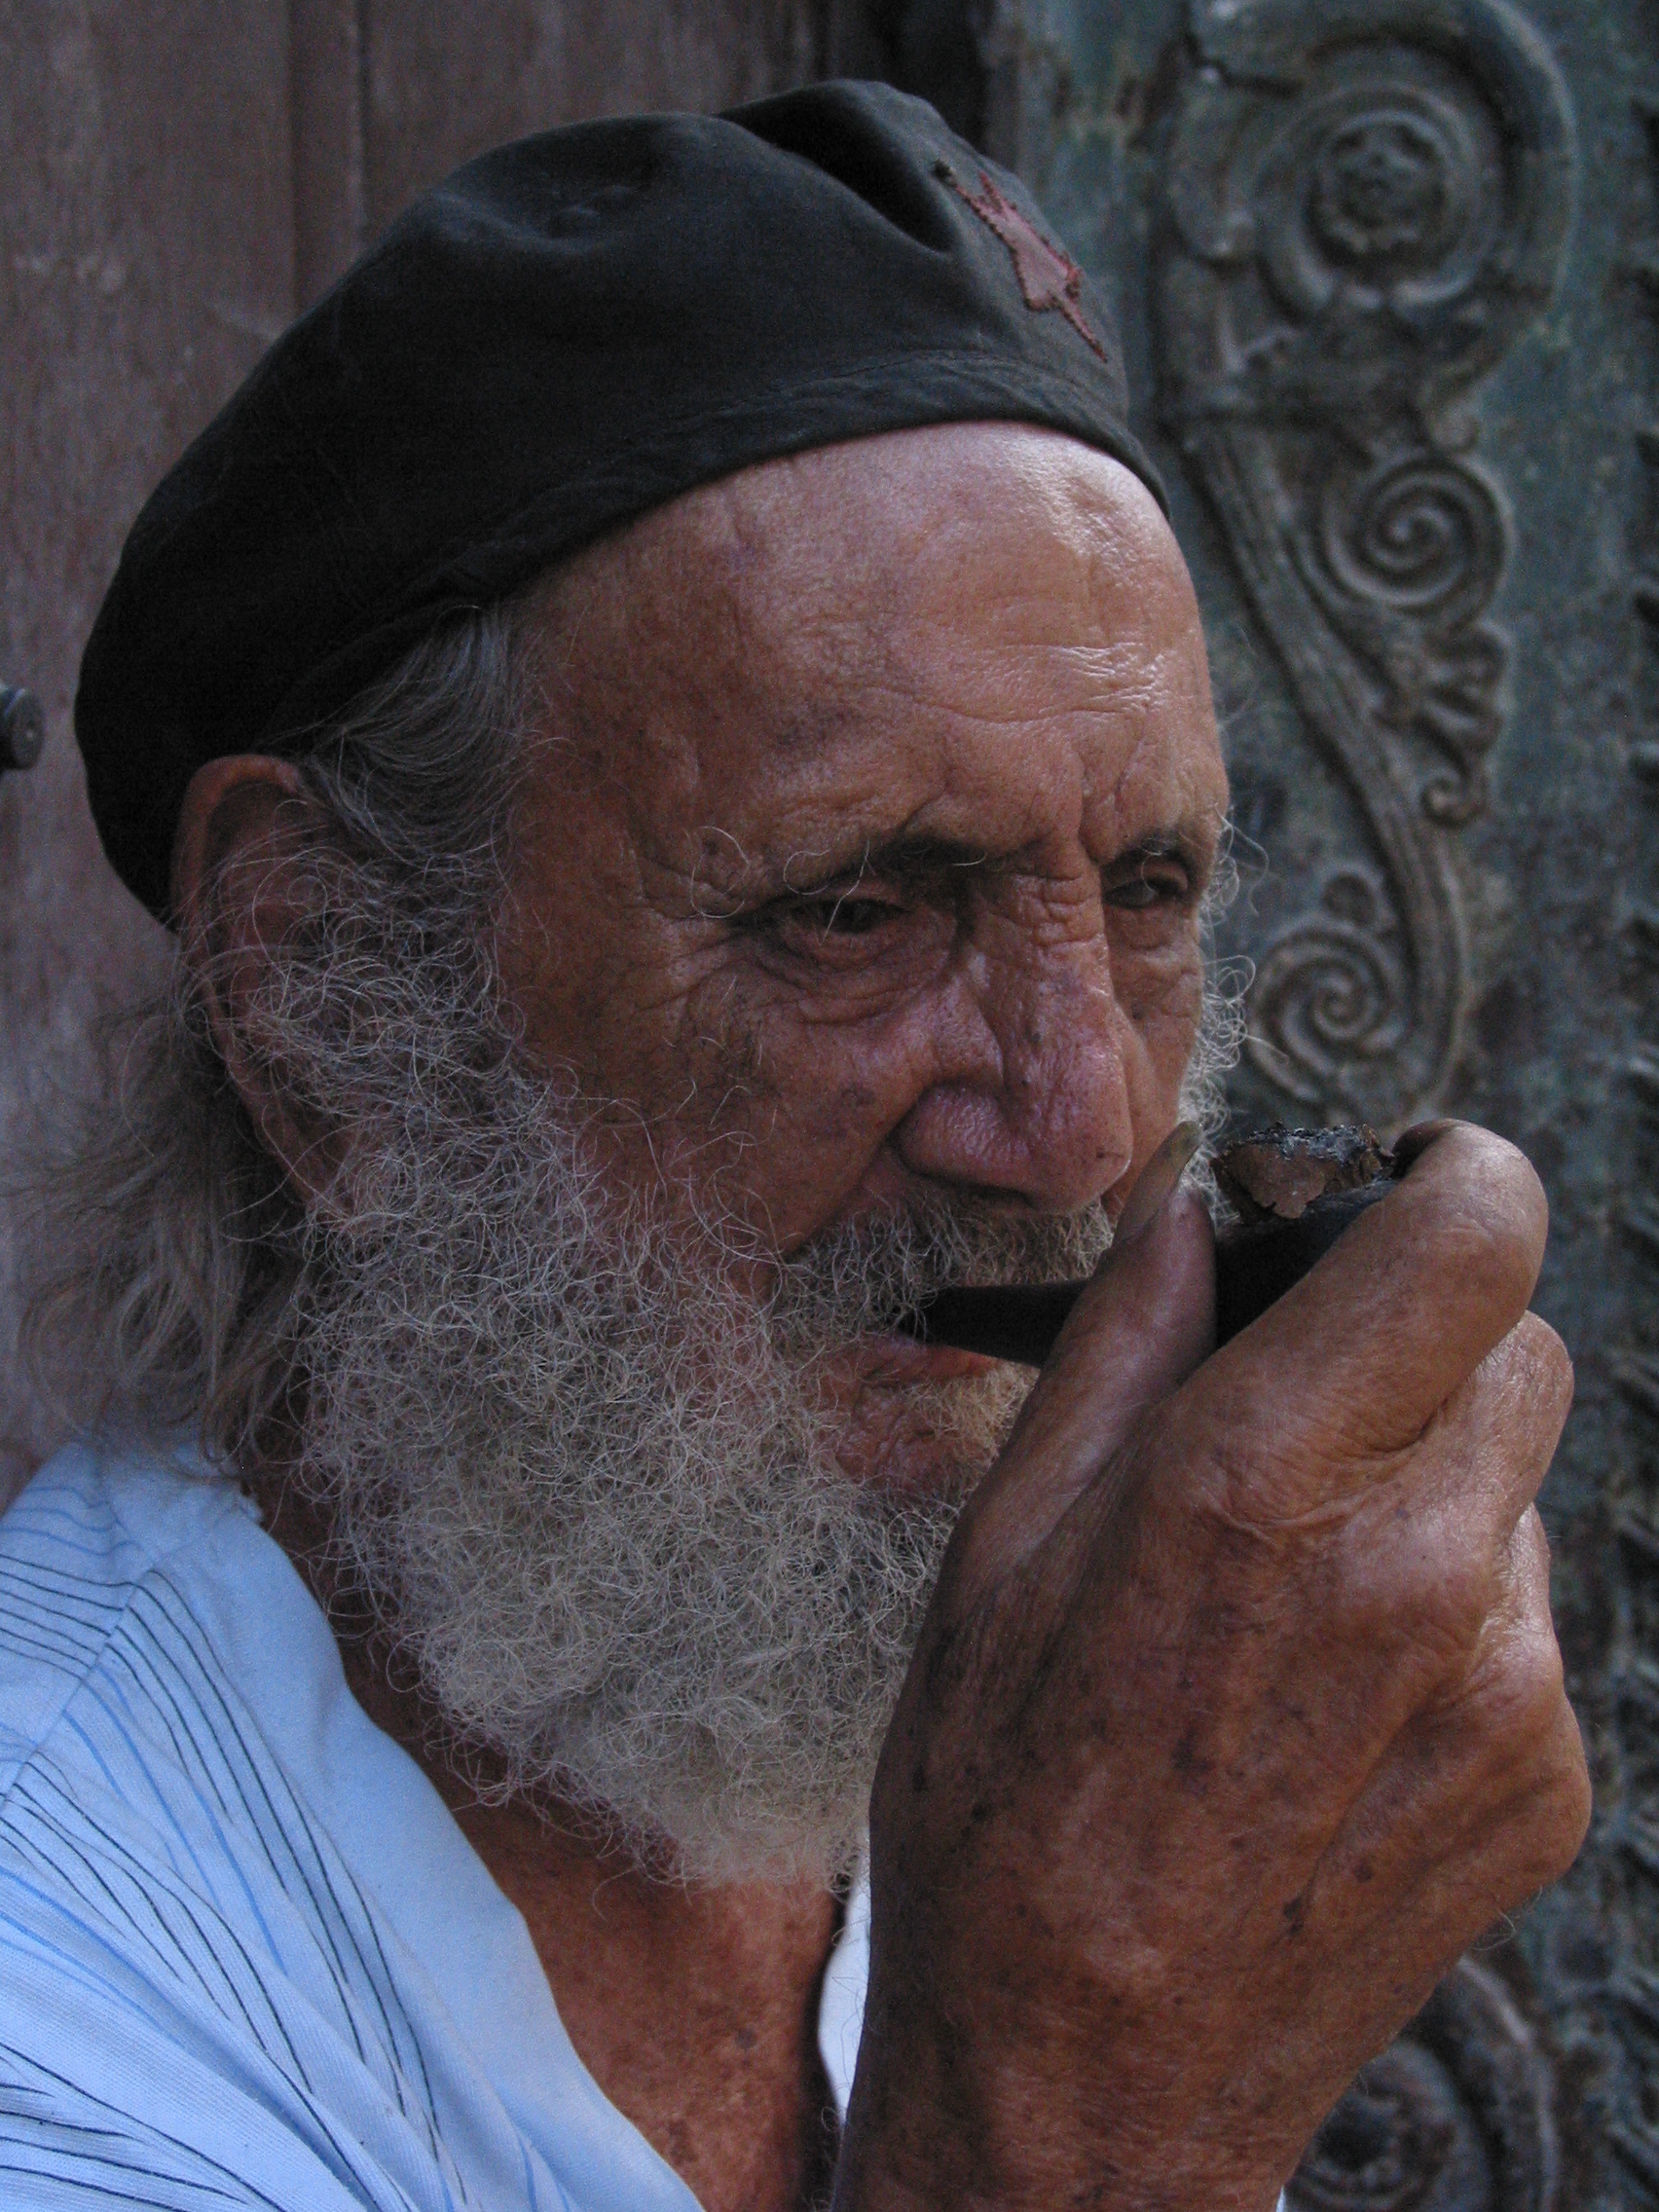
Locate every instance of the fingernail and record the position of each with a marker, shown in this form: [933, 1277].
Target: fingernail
[1410, 1144]
[1156, 1181]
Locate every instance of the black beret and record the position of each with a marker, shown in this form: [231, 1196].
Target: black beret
[565, 333]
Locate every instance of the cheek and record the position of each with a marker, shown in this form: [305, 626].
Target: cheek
[1163, 1000]
[802, 1107]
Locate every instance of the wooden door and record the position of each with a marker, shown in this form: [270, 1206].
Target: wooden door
[180, 179]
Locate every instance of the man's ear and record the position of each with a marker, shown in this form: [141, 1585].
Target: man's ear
[238, 890]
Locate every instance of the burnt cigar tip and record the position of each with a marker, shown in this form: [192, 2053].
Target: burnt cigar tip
[1295, 1193]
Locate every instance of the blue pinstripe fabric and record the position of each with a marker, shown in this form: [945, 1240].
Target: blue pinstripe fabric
[246, 1957]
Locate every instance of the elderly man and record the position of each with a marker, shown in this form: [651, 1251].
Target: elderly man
[682, 742]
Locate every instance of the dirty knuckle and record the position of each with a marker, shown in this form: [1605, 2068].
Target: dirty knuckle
[1530, 1557]
[1532, 1690]
[1546, 1364]
[1453, 1613]
[1230, 1504]
[1421, 1595]
[1557, 1821]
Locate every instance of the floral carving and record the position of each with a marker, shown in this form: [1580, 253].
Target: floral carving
[1381, 189]
[1367, 204]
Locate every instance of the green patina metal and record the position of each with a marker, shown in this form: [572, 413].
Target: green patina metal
[1388, 276]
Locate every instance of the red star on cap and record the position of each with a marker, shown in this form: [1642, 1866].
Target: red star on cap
[1049, 279]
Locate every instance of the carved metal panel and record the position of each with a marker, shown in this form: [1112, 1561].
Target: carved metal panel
[1369, 201]
[1388, 272]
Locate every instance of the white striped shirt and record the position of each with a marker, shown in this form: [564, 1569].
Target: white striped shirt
[246, 1956]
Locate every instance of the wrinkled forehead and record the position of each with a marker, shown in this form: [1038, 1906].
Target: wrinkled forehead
[865, 607]
[865, 537]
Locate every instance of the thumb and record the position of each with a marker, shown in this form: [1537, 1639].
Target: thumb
[1142, 1326]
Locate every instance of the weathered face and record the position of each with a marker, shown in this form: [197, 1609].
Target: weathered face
[858, 883]
[868, 855]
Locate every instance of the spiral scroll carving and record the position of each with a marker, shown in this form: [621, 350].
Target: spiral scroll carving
[1418, 536]
[1456, 2117]
[1368, 201]
[1331, 990]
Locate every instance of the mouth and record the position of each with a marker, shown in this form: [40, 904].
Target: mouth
[895, 1359]
[1019, 1322]
[1014, 1322]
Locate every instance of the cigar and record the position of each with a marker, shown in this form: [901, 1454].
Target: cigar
[1293, 1191]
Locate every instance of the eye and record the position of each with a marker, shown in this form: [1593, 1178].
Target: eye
[1150, 879]
[811, 922]
[848, 916]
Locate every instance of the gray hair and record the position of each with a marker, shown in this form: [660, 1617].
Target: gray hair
[173, 1299]
[173, 1243]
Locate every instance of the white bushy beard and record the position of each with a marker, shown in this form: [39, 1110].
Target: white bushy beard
[595, 1487]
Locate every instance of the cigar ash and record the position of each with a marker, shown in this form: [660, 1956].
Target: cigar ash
[1293, 1192]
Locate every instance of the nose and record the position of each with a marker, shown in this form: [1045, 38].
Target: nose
[1031, 1097]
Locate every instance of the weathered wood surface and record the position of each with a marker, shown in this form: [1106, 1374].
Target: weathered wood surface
[178, 180]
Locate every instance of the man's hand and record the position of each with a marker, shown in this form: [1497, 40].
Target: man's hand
[1238, 1716]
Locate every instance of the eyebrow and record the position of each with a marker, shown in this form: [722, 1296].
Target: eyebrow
[905, 859]
[1180, 841]
[910, 859]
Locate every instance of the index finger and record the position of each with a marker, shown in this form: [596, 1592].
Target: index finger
[1355, 1358]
